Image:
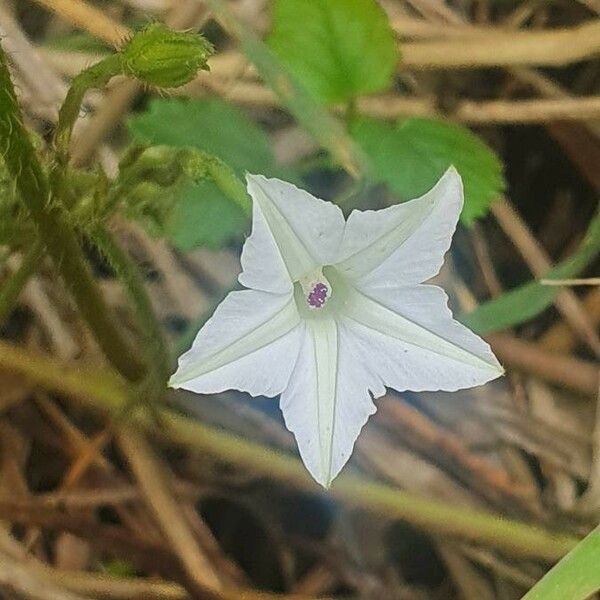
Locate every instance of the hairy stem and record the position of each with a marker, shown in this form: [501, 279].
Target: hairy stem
[155, 347]
[95, 76]
[60, 241]
[228, 182]
[10, 291]
[109, 395]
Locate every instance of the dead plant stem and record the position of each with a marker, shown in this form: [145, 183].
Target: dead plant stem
[108, 395]
[539, 263]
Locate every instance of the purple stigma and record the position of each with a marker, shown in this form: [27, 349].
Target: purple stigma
[318, 295]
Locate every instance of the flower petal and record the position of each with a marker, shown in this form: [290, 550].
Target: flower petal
[405, 242]
[250, 344]
[409, 338]
[293, 233]
[327, 400]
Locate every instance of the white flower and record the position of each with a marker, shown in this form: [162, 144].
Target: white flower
[337, 311]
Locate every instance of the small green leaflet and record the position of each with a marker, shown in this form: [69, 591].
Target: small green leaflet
[412, 155]
[575, 577]
[527, 301]
[203, 215]
[339, 49]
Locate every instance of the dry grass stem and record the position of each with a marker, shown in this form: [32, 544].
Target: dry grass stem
[541, 48]
[155, 483]
[539, 263]
[572, 373]
[571, 282]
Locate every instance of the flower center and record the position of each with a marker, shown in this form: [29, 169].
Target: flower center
[316, 289]
[318, 295]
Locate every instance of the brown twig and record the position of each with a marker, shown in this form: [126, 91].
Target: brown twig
[113, 588]
[544, 48]
[87, 17]
[76, 443]
[47, 88]
[550, 89]
[421, 29]
[113, 494]
[556, 47]
[251, 93]
[585, 281]
[539, 263]
[582, 146]
[87, 453]
[572, 373]
[432, 439]
[154, 482]
[114, 538]
[482, 254]
[94, 585]
[497, 565]
[559, 338]
[528, 111]
[106, 395]
[146, 554]
[16, 577]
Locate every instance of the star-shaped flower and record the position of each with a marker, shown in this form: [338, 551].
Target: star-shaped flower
[335, 312]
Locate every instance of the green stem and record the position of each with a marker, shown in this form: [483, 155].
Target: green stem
[60, 241]
[10, 291]
[159, 358]
[95, 76]
[513, 537]
[105, 393]
[229, 183]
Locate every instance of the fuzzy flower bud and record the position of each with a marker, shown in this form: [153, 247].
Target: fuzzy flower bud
[164, 58]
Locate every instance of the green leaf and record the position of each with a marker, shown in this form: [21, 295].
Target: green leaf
[411, 156]
[324, 127]
[525, 302]
[203, 215]
[79, 41]
[210, 125]
[576, 576]
[339, 49]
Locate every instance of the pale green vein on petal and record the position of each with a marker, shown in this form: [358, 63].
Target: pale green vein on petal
[365, 259]
[402, 222]
[325, 342]
[288, 242]
[264, 334]
[374, 315]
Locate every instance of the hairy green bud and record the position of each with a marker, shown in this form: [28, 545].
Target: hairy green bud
[164, 165]
[164, 58]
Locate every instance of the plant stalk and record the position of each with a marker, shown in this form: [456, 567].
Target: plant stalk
[12, 288]
[95, 76]
[155, 347]
[108, 394]
[60, 241]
